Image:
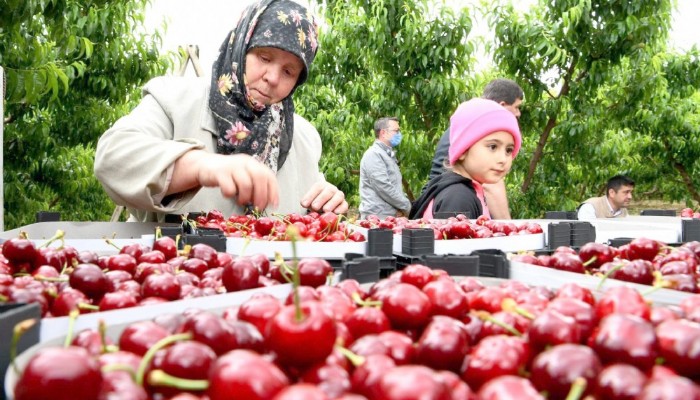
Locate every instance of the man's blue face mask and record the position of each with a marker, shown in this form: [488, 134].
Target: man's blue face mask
[396, 139]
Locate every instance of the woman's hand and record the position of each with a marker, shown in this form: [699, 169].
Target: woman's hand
[238, 175]
[324, 196]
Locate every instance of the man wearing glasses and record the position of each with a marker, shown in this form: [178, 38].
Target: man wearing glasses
[381, 193]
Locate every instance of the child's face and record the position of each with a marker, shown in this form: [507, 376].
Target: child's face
[489, 159]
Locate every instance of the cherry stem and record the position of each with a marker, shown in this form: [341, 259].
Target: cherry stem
[146, 360]
[119, 367]
[355, 359]
[511, 305]
[652, 290]
[158, 377]
[365, 303]
[60, 235]
[246, 242]
[590, 261]
[285, 270]
[607, 275]
[42, 278]
[111, 243]
[72, 316]
[159, 232]
[102, 329]
[293, 233]
[578, 387]
[88, 306]
[18, 331]
[489, 318]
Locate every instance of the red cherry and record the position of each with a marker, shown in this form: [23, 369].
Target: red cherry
[89, 279]
[91, 340]
[670, 388]
[163, 285]
[637, 271]
[287, 335]
[443, 344]
[593, 254]
[18, 250]
[625, 338]
[259, 309]
[140, 336]
[619, 381]
[123, 262]
[240, 274]
[551, 328]
[60, 373]
[68, 300]
[509, 387]
[221, 335]
[117, 300]
[405, 306]
[313, 271]
[411, 382]
[299, 391]
[261, 262]
[244, 374]
[205, 252]
[189, 360]
[366, 321]
[417, 275]
[495, 356]
[622, 299]
[679, 345]
[555, 369]
[579, 310]
[573, 290]
[167, 246]
[643, 248]
[365, 377]
[567, 262]
[134, 249]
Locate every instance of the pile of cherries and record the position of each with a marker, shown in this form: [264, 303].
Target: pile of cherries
[644, 261]
[690, 213]
[315, 227]
[62, 279]
[418, 334]
[457, 227]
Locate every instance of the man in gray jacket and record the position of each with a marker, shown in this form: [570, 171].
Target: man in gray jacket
[381, 193]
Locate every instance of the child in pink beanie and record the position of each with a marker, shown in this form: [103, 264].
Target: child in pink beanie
[484, 140]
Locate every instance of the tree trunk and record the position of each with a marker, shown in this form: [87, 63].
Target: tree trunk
[537, 156]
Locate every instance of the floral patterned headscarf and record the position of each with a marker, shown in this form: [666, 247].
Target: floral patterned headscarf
[244, 126]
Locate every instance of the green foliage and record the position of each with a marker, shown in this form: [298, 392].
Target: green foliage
[72, 68]
[602, 97]
[406, 59]
[602, 94]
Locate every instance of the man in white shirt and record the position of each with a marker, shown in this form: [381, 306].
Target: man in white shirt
[613, 205]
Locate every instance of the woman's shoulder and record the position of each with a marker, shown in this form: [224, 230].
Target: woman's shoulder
[175, 86]
[304, 130]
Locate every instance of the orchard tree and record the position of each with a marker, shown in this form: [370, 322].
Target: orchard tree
[72, 68]
[602, 97]
[404, 58]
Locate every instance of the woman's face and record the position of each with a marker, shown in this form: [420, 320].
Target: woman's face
[271, 74]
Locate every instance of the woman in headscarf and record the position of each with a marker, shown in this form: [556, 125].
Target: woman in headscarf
[229, 143]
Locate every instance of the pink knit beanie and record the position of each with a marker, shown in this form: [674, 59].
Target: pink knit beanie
[477, 118]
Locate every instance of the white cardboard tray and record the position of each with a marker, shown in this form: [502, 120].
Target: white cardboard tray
[118, 320]
[553, 278]
[54, 327]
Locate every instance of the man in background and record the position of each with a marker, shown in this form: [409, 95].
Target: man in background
[510, 95]
[381, 192]
[618, 194]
